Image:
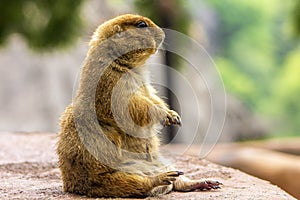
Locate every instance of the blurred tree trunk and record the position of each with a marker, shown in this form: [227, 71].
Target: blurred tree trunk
[166, 11]
[172, 15]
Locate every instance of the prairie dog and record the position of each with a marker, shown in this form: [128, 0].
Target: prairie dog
[108, 144]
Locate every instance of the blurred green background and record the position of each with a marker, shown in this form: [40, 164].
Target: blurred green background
[255, 44]
[259, 57]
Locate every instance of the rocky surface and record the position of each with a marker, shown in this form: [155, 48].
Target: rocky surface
[264, 159]
[28, 169]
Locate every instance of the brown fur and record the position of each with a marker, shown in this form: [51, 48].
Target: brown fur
[108, 144]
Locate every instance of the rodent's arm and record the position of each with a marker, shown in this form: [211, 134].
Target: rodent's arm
[143, 111]
[151, 94]
[172, 116]
[151, 109]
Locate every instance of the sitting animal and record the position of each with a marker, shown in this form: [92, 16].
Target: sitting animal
[108, 144]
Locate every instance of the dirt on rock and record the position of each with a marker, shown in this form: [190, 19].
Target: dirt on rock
[28, 170]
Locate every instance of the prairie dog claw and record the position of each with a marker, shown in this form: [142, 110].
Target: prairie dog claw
[208, 185]
[166, 178]
[172, 119]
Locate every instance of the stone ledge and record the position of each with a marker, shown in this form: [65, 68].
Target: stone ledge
[29, 171]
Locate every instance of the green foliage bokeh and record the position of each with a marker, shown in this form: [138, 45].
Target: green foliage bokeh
[45, 24]
[287, 87]
[259, 57]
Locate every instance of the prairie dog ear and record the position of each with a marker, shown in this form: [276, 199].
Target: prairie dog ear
[117, 29]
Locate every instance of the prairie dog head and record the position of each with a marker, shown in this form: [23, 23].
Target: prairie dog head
[128, 39]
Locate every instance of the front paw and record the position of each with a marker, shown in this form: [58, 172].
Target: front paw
[172, 118]
[166, 178]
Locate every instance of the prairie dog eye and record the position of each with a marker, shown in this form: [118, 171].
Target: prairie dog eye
[141, 24]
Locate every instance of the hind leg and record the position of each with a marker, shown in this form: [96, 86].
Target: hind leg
[185, 184]
[121, 184]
